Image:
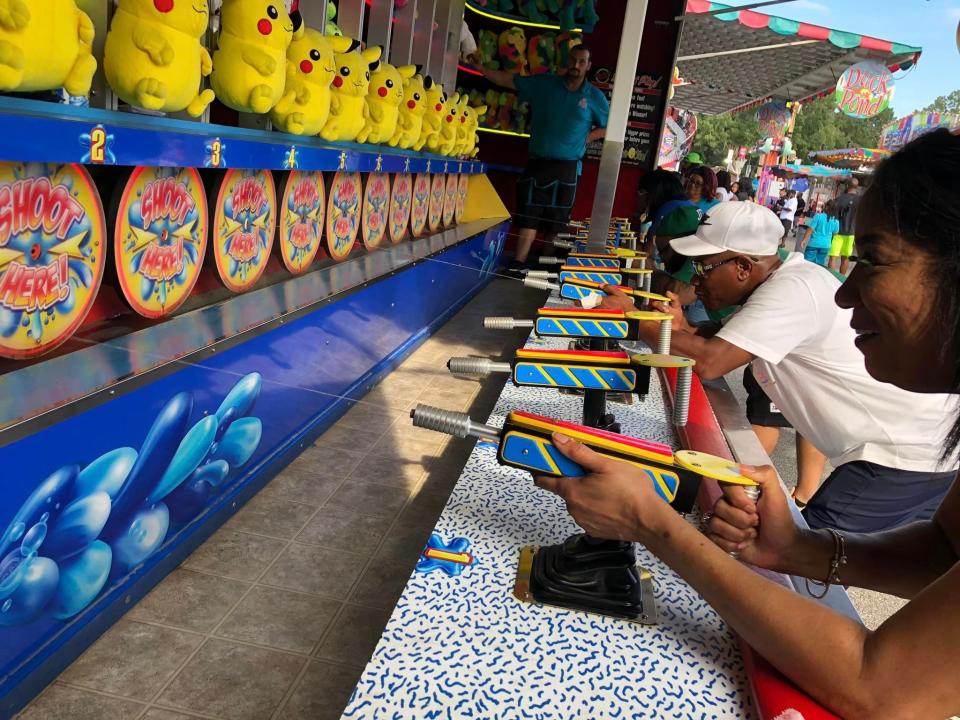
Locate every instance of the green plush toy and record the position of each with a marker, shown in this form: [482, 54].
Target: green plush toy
[542, 53]
[587, 12]
[488, 47]
[492, 118]
[332, 27]
[513, 50]
[507, 102]
[535, 10]
[521, 117]
[566, 41]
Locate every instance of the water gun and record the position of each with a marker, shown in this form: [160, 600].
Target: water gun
[582, 323]
[578, 289]
[525, 443]
[621, 260]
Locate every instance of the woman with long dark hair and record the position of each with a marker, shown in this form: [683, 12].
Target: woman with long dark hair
[702, 187]
[905, 302]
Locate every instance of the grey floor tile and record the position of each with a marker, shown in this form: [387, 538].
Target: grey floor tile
[314, 569]
[368, 417]
[348, 438]
[413, 450]
[334, 527]
[156, 713]
[266, 515]
[132, 659]
[189, 600]
[280, 618]
[388, 469]
[233, 681]
[236, 555]
[330, 461]
[307, 481]
[354, 635]
[367, 498]
[458, 400]
[59, 702]
[382, 583]
[393, 399]
[322, 693]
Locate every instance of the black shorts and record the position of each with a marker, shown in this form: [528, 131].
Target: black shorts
[545, 195]
[760, 410]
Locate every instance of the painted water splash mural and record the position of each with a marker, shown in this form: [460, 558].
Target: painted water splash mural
[84, 527]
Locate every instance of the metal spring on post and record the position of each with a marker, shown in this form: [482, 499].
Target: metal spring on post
[505, 323]
[540, 283]
[647, 278]
[475, 366]
[444, 421]
[666, 334]
[681, 396]
[551, 260]
[539, 274]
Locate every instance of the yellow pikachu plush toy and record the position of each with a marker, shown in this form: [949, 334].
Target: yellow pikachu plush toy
[472, 115]
[463, 130]
[305, 107]
[250, 63]
[45, 45]
[433, 116]
[445, 141]
[154, 58]
[348, 103]
[410, 120]
[383, 102]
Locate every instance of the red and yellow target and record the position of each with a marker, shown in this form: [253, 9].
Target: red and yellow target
[437, 194]
[450, 200]
[420, 206]
[376, 208]
[301, 219]
[160, 238]
[243, 227]
[343, 214]
[463, 187]
[52, 254]
[400, 200]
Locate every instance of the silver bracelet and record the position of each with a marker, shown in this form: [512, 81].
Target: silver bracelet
[833, 574]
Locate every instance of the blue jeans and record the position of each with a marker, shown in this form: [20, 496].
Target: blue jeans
[865, 497]
[816, 255]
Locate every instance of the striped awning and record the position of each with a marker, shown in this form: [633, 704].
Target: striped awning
[852, 158]
[733, 60]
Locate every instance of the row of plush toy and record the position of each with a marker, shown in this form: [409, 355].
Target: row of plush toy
[266, 62]
[510, 50]
[569, 14]
[498, 110]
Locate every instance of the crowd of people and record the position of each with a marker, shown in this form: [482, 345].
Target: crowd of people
[868, 372]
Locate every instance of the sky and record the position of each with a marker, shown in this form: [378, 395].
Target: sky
[930, 24]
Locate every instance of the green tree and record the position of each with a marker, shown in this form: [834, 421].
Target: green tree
[717, 133]
[945, 103]
[821, 127]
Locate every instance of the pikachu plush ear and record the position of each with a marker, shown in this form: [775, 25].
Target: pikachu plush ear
[407, 71]
[340, 44]
[427, 82]
[481, 110]
[372, 54]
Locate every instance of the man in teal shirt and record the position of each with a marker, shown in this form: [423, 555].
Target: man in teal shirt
[567, 113]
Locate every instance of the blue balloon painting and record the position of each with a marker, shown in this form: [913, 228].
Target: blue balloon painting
[83, 526]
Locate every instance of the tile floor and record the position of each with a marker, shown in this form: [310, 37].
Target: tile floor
[277, 613]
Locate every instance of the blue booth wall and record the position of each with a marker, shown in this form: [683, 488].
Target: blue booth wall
[97, 508]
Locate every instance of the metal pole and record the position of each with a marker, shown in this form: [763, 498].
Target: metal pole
[350, 18]
[423, 33]
[379, 26]
[609, 172]
[401, 41]
[314, 14]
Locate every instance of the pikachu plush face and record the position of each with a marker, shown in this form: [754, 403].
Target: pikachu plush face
[190, 17]
[263, 22]
[353, 71]
[386, 84]
[414, 97]
[383, 102]
[435, 106]
[311, 56]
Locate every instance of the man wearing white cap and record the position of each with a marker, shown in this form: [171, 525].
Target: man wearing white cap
[884, 442]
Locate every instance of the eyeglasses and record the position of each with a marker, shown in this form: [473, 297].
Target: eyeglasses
[701, 270]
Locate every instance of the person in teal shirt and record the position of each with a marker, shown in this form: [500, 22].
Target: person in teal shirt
[567, 112]
[820, 232]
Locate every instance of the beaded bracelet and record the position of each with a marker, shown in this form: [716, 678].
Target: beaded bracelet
[833, 575]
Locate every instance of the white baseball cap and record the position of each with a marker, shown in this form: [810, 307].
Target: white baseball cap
[742, 227]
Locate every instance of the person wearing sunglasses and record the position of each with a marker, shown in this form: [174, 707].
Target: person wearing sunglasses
[800, 346]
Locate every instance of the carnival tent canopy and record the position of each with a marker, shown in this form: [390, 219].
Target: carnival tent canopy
[809, 171]
[851, 158]
[732, 60]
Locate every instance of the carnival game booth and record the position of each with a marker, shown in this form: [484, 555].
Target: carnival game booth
[193, 289]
